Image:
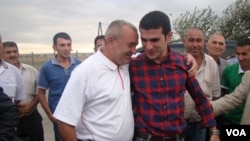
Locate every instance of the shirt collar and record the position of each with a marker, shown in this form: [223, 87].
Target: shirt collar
[3, 63]
[22, 67]
[105, 60]
[240, 70]
[55, 62]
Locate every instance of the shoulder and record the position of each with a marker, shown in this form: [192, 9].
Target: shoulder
[177, 58]
[29, 70]
[11, 67]
[210, 61]
[47, 64]
[29, 67]
[232, 66]
[77, 60]
[138, 58]
[223, 61]
[209, 58]
[247, 74]
[178, 55]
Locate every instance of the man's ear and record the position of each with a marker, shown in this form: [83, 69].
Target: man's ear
[54, 47]
[110, 40]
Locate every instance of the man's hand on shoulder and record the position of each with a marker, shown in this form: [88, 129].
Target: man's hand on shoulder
[190, 60]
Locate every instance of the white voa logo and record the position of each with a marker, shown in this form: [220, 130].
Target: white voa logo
[236, 132]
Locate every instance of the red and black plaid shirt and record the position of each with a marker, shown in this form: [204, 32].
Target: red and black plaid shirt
[158, 100]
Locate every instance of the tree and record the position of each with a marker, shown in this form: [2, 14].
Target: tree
[236, 20]
[204, 19]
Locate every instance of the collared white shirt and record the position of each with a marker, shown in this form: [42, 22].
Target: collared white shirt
[97, 101]
[209, 81]
[11, 81]
[30, 77]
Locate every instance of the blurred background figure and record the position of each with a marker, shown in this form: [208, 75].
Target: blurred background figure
[99, 42]
[216, 46]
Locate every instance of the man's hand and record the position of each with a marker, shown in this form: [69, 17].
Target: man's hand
[52, 118]
[214, 138]
[190, 60]
[25, 109]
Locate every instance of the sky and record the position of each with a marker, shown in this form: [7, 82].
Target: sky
[33, 23]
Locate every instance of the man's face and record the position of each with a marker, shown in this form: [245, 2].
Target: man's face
[154, 43]
[243, 55]
[99, 43]
[11, 55]
[194, 42]
[216, 45]
[125, 46]
[63, 47]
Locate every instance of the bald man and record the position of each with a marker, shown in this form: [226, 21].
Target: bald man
[216, 46]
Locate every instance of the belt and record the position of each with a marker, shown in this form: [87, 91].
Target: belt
[150, 137]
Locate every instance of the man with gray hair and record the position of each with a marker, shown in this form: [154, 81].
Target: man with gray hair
[98, 107]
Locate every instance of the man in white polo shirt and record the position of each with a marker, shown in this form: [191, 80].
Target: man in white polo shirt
[96, 102]
[11, 80]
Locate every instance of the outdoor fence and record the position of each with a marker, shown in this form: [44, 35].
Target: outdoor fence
[36, 60]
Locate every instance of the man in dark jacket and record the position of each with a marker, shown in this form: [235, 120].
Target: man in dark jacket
[8, 118]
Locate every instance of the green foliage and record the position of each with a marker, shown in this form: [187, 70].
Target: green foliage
[236, 19]
[204, 19]
[234, 22]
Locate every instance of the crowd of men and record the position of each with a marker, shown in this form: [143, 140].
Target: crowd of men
[155, 95]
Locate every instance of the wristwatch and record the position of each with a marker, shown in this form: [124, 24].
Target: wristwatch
[215, 132]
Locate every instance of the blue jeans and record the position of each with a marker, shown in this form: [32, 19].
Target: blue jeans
[193, 133]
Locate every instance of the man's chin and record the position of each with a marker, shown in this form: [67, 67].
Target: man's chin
[12, 61]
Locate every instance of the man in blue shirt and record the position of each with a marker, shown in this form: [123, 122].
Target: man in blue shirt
[54, 75]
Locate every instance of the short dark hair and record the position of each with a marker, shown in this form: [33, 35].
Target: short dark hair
[244, 40]
[99, 37]
[9, 44]
[156, 20]
[61, 35]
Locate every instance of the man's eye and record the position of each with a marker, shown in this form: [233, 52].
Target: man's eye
[191, 40]
[198, 40]
[154, 40]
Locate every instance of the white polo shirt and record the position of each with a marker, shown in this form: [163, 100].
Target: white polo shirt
[97, 101]
[11, 81]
